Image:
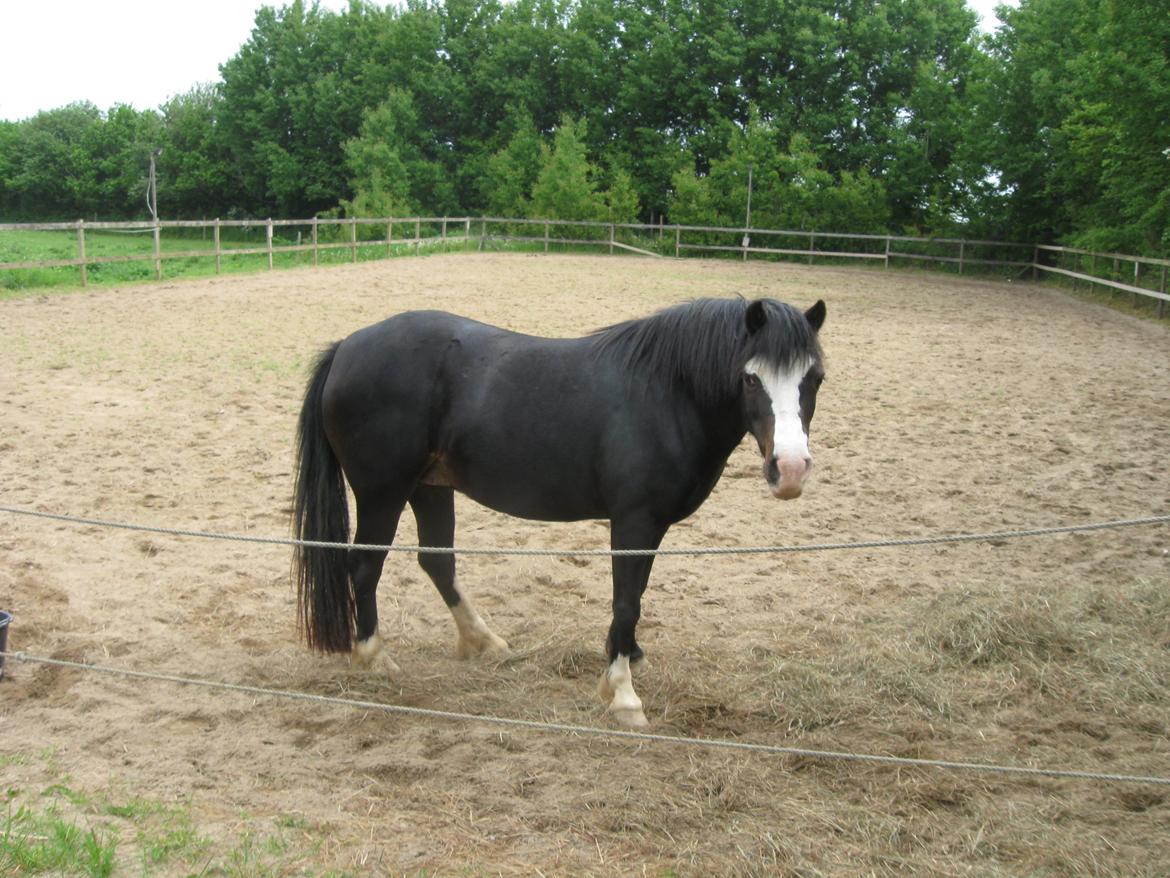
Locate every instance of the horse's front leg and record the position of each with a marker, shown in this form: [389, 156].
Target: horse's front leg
[630, 575]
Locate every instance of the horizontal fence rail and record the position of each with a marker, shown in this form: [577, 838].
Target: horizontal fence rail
[1148, 278]
[382, 237]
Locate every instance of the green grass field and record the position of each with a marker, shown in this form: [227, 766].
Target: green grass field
[38, 246]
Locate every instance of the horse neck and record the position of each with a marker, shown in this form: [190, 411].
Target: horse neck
[723, 422]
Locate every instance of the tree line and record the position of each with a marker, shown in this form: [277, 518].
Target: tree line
[849, 115]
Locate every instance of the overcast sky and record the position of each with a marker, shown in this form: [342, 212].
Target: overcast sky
[137, 52]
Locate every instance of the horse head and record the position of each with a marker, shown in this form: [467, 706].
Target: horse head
[781, 375]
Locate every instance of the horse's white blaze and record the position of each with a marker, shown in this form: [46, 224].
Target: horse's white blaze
[783, 388]
[475, 637]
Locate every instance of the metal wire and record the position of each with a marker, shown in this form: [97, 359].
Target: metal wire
[992, 536]
[593, 731]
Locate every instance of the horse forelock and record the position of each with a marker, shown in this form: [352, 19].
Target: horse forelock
[786, 339]
[705, 344]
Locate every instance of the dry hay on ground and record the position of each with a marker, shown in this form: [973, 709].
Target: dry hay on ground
[951, 406]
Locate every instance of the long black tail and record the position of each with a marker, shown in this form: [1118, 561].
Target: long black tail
[325, 605]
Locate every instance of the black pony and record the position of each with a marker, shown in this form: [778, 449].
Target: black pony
[633, 424]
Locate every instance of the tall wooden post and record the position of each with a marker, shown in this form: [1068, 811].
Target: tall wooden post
[218, 252]
[268, 237]
[315, 223]
[1162, 302]
[81, 252]
[157, 251]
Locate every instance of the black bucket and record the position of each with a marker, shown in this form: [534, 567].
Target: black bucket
[5, 618]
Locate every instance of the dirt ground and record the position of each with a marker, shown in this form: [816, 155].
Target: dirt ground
[951, 406]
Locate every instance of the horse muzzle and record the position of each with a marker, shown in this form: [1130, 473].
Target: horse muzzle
[786, 475]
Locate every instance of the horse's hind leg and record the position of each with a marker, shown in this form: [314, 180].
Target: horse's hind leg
[434, 512]
[377, 522]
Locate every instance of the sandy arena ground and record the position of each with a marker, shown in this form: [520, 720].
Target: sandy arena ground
[951, 406]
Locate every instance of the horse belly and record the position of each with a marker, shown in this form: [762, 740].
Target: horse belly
[532, 488]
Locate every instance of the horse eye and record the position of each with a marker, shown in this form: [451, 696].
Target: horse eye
[751, 380]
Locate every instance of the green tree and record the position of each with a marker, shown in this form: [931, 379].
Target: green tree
[565, 187]
[621, 199]
[379, 160]
[118, 157]
[511, 172]
[52, 171]
[691, 202]
[1078, 111]
[196, 177]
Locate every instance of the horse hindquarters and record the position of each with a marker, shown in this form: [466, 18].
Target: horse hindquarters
[325, 608]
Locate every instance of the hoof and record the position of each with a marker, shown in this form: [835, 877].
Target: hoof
[630, 718]
[485, 644]
[369, 655]
[621, 704]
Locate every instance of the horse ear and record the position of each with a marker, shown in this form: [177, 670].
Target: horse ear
[756, 316]
[816, 315]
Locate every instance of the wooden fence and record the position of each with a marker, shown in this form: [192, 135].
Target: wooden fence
[1148, 276]
[364, 235]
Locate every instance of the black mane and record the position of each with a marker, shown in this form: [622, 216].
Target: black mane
[704, 344]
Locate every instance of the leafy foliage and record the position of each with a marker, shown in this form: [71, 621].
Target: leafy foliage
[854, 115]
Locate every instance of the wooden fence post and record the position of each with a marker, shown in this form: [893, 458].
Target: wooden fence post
[812, 245]
[157, 250]
[467, 233]
[677, 242]
[962, 249]
[546, 236]
[482, 232]
[215, 238]
[443, 235]
[268, 241]
[81, 251]
[1162, 302]
[887, 258]
[417, 236]
[390, 237]
[315, 242]
[1137, 276]
[353, 239]
[611, 239]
